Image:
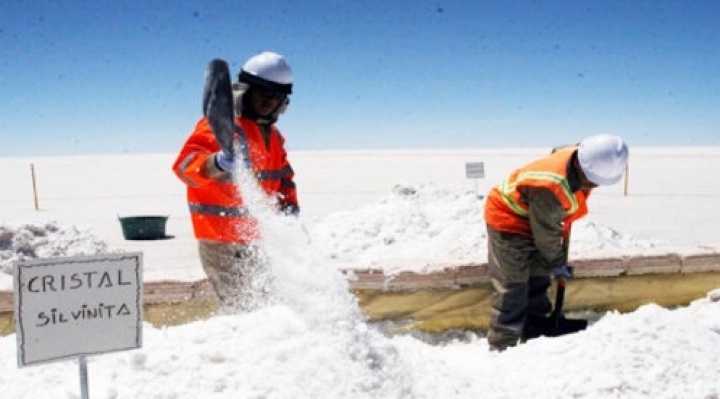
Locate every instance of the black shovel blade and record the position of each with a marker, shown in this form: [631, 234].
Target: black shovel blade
[218, 105]
[536, 326]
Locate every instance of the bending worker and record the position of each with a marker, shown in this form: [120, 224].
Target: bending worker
[225, 231]
[528, 220]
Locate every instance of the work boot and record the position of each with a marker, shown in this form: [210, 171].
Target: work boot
[499, 339]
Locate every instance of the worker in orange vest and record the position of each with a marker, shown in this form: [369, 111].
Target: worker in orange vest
[226, 232]
[528, 220]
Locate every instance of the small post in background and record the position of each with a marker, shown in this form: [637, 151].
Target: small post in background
[475, 170]
[34, 186]
[627, 174]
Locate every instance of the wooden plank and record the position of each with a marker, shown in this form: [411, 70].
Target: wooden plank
[458, 297]
[472, 275]
[366, 278]
[590, 268]
[701, 263]
[653, 264]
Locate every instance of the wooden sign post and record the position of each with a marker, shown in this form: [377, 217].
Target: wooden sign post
[77, 306]
[475, 170]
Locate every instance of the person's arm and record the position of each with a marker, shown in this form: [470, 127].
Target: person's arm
[546, 216]
[287, 194]
[196, 164]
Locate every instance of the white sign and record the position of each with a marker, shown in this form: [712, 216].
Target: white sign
[475, 170]
[67, 307]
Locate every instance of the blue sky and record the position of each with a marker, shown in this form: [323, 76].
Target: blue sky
[102, 76]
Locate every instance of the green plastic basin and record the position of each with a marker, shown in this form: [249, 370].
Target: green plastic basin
[143, 227]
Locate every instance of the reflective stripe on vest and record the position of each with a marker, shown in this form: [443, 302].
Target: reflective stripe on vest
[287, 183]
[267, 174]
[218, 210]
[183, 165]
[507, 188]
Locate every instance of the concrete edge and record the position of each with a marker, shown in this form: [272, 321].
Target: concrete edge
[449, 278]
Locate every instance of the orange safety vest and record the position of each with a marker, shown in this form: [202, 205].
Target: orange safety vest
[216, 206]
[505, 208]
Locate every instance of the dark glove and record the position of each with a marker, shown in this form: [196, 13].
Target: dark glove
[290, 210]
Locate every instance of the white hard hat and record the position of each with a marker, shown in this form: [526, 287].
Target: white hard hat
[603, 158]
[269, 70]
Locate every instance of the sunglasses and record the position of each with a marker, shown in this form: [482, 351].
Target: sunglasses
[270, 94]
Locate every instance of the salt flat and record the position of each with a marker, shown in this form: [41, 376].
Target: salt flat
[671, 194]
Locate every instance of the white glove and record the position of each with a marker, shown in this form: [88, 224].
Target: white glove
[224, 162]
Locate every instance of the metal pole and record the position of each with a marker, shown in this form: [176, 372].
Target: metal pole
[83, 377]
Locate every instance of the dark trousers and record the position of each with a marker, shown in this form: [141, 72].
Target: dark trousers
[238, 274]
[521, 278]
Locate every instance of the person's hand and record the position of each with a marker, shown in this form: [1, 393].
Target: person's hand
[224, 162]
[565, 271]
[290, 210]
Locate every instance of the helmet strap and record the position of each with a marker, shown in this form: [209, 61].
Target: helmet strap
[252, 80]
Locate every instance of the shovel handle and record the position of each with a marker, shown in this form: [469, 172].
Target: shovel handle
[561, 282]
